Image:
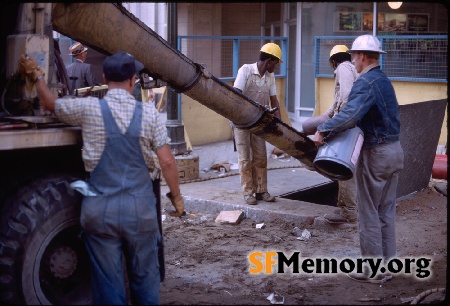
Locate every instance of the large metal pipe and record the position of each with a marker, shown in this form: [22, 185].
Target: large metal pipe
[109, 28]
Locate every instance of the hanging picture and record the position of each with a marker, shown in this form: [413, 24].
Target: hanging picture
[349, 21]
[395, 23]
[368, 22]
[418, 22]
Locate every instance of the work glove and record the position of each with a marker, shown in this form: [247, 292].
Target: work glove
[178, 203]
[29, 67]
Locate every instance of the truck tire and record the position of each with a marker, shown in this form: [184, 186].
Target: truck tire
[42, 257]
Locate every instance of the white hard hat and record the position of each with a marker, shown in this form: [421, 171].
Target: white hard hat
[366, 43]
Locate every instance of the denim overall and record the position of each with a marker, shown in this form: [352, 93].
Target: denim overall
[121, 220]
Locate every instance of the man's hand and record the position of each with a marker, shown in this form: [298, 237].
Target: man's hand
[29, 67]
[178, 203]
[275, 111]
[318, 139]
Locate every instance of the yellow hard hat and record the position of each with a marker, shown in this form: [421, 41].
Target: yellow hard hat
[337, 49]
[272, 49]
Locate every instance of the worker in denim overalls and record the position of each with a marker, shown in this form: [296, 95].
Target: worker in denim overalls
[119, 217]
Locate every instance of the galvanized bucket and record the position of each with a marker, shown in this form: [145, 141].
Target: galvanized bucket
[336, 159]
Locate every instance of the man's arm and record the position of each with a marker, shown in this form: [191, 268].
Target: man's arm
[46, 97]
[273, 96]
[335, 105]
[241, 78]
[34, 74]
[169, 168]
[275, 104]
[330, 111]
[170, 172]
[359, 103]
[346, 79]
[29, 67]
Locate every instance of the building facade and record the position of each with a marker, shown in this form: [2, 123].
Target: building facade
[303, 89]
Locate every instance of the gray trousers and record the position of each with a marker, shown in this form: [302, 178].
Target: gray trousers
[377, 179]
[347, 199]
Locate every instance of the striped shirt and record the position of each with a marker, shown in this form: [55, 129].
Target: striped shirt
[86, 113]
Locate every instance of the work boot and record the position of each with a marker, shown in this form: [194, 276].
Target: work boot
[265, 196]
[250, 199]
[337, 218]
[365, 278]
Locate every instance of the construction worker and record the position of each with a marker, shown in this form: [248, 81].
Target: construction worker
[372, 106]
[256, 81]
[120, 217]
[344, 76]
[79, 73]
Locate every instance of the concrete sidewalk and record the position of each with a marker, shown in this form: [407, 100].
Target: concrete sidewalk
[209, 154]
[211, 195]
[216, 191]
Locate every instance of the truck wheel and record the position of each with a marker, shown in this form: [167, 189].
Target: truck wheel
[42, 257]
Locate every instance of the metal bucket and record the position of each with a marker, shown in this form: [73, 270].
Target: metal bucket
[336, 159]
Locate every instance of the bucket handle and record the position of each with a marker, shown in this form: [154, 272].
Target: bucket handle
[335, 154]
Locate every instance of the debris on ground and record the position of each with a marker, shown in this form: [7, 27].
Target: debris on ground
[276, 298]
[296, 231]
[406, 300]
[369, 299]
[205, 259]
[230, 216]
[301, 235]
[305, 235]
[277, 152]
[440, 186]
[222, 166]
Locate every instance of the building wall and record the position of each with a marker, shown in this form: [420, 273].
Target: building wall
[245, 19]
[407, 93]
[201, 19]
[241, 19]
[204, 19]
[203, 125]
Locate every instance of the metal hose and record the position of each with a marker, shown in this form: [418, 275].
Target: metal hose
[421, 296]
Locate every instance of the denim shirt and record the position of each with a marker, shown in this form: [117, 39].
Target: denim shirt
[372, 106]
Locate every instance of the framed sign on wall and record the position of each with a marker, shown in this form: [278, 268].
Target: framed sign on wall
[387, 22]
[395, 23]
[348, 21]
[368, 22]
[418, 22]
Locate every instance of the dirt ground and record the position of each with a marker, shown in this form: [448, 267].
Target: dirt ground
[206, 262]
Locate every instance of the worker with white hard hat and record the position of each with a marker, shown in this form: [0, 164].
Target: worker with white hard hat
[372, 106]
